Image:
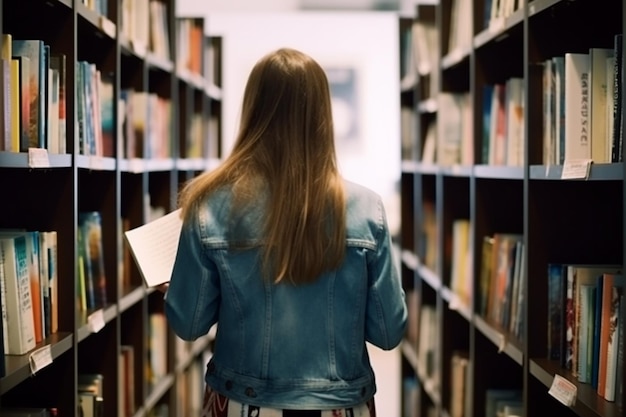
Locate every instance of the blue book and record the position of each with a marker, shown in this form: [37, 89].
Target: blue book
[556, 311]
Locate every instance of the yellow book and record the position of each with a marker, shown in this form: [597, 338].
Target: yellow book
[7, 48]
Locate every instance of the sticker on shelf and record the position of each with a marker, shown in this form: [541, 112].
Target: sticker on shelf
[40, 358]
[563, 390]
[496, 25]
[501, 342]
[96, 321]
[576, 169]
[38, 158]
[96, 163]
[107, 26]
[455, 302]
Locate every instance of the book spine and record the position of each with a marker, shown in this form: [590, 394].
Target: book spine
[577, 144]
[20, 325]
[616, 148]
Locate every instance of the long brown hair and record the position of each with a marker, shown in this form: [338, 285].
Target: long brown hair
[286, 143]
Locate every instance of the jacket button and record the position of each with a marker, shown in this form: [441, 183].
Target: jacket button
[229, 385]
[250, 392]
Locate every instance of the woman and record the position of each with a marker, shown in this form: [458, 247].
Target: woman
[291, 261]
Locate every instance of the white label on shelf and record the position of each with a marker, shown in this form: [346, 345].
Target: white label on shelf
[96, 321]
[38, 158]
[456, 55]
[135, 165]
[576, 169]
[563, 390]
[107, 26]
[96, 163]
[40, 358]
[501, 342]
[496, 25]
[455, 302]
[139, 47]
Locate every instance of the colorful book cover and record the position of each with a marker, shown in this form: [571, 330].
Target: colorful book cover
[58, 62]
[91, 224]
[34, 49]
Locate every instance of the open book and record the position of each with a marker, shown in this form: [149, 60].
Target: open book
[154, 246]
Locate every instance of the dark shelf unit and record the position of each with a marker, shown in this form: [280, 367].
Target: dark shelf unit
[561, 220]
[125, 190]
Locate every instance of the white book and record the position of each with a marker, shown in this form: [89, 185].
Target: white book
[154, 246]
[610, 102]
[449, 129]
[549, 143]
[20, 323]
[577, 89]
[598, 100]
[514, 121]
[558, 68]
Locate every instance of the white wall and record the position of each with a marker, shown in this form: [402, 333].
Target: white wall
[365, 39]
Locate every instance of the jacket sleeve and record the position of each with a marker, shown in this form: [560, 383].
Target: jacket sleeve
[193, 295]
[386, 316]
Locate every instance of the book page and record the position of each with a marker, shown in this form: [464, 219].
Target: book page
[154, 246]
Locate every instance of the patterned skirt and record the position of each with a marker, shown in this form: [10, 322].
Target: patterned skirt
[216, 405]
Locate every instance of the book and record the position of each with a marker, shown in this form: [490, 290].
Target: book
[16, 111]
[585, 332]
[613, 284]
[24, 87]
[549, 109]
[154, 246]
[485, 274]
[616, 80]
[577, 143]
[619, 380]
[613, 289]
[95, 275]
[556, 310]
[497, 128]
[20, 323]
[32, 249]
[558, 74]
[460, 281]
[6, 117]
[34, 49]
[597, 321]
[514, 124]
[598, 103]
[58, 63]
[584, 275]
[91, 394]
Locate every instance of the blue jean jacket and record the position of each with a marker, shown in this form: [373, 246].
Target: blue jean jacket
[286, 346]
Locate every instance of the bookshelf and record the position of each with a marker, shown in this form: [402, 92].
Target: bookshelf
[458, 349]
[149, 131]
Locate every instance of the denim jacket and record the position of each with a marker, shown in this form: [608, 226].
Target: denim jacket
[280, 345]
